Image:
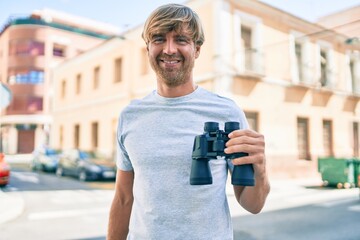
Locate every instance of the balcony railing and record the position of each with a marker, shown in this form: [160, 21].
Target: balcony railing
[251, 62]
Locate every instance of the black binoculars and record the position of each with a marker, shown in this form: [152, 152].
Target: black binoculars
[209, 146]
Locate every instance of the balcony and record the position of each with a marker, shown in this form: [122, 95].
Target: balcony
[26, 99]
[26, 61]
[250, 64]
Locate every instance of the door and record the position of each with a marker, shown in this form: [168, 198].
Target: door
[26, 140]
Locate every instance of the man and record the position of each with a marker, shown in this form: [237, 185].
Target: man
[153, 196]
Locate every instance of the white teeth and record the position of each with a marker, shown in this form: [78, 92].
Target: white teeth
[171, 62]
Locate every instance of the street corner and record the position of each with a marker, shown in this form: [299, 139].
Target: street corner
[11, 206]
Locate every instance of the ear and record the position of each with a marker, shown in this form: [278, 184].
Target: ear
[197, 50]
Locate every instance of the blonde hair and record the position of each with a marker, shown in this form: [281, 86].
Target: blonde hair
[174, 17]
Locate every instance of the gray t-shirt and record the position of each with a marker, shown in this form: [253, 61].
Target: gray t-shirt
[156, 137]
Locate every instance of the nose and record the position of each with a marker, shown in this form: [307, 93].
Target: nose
[170, 47]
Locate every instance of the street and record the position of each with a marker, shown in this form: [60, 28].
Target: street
[64, 208]
[57, 208]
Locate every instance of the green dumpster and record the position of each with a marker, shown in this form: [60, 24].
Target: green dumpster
[339, 172]
[357, 172]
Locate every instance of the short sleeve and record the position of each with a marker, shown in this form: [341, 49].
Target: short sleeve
[123, 161]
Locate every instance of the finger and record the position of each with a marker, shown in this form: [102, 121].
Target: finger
[248, 148]
[244, 132]
[237, 148]
[244, 140]
[257, 159]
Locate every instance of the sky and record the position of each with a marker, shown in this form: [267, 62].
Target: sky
[125, 14]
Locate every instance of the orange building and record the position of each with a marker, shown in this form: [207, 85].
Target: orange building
[29, 47]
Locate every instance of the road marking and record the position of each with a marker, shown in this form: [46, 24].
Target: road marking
[9, 188]
[335, 202]
[65, 213]
[355, 208]
[26, 177]
[66, 197]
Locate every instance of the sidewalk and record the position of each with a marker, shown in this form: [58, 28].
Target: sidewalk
[11, 206]
[290, 193]
[18, 158]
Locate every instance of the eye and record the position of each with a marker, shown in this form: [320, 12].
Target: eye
[157, 39]
[182, 39]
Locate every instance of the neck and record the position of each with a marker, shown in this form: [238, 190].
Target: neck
[178, 91]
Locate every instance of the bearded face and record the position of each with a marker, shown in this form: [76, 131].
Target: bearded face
[172, 57]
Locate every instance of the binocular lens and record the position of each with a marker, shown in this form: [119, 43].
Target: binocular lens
[200, 172]
[231, 126]
[211, 127]
[243, 175]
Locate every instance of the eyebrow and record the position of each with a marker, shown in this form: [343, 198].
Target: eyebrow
[178, 35]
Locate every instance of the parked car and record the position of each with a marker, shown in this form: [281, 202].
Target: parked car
[4, 171]
[85, 165]
[45, 159]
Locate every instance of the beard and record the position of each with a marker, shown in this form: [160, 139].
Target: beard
[172, 77]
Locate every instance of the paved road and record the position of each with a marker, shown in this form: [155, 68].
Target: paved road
[37, 205]
[46, 207]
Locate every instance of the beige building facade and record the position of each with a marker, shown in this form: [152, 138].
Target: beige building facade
[345, 22]
[296, 81]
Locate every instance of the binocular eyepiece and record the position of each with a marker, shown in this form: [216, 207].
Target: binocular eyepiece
[210, 145]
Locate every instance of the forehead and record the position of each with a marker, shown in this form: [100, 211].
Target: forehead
[179, 29]
[172, 34]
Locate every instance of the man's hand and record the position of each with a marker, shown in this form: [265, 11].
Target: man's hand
[250, 142]
[253, 143]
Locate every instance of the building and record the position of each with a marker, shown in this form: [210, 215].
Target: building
[294, 80]
[346, 22]
[29, 47]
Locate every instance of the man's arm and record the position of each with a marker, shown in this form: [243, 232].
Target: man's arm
[121, 206]
[253, 143]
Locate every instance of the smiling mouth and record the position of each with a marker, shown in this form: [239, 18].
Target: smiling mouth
[170, 61]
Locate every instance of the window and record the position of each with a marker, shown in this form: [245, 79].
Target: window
[34, 104]
[246, 38]
[59, 50]
[354, 66]
[77, 136]
[26, 77]
[26, 104]
[299, 57]
[94, 135]
[78, 84]
[356, 139]
[252, 118]
[26, 47]
[324, 61]
[61, 137]
[63, 88]
[327, 138]
[96, 79]
[118, 70]
[303, 138]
